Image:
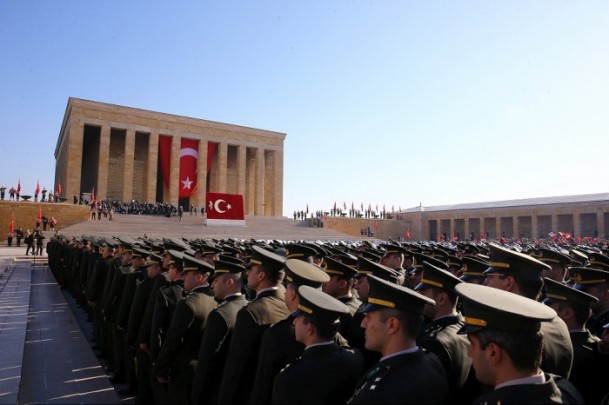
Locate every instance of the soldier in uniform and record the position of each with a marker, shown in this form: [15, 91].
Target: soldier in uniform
[340, 286]
[268, 307]
[143, 289]
[394, 259]
[557, 261]
[573, 307]
[279, 346]
[506, 347]
[226, 284]
[439, 335]
[405, 373]
[177, 358]
[356, 336]
[520, 274]
[133, 278]
[329, 371]
[594, 280]
[165, 301]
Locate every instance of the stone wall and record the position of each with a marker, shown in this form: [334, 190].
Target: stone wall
[25, 214]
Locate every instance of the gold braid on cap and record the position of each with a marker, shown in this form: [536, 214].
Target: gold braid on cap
[499, 264]
[474, 321]
[383, 303]
[431, 282]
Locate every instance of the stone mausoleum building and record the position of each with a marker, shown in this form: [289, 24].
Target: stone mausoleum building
[123, 153]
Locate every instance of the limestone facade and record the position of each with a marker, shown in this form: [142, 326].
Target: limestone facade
[114, 151]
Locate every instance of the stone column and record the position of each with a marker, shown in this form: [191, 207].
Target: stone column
[129, 156]
[600, 223]
[222, 166]
[466, 228]
[241, 169]
[199, 198]
[515, 227]
[278, 181]
[577, 230]
[102, 169]
[259, 192]
[498, 230]
[153, 163]
[174, 170]
[74, 158]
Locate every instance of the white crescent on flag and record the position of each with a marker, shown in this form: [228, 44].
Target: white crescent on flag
[217, 206]
[189, 152]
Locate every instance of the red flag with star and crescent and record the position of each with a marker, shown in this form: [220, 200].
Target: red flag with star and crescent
[224, 206]
[189, 155]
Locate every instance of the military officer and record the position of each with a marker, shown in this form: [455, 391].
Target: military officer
[340, 286]
[405, 372]
[439, 335]
[573, 307]
[177, 358]
[520, 274]
[226, 284]
[325, 373]
[264, 277]
[279, 346]
[506, 347]
[594, 281]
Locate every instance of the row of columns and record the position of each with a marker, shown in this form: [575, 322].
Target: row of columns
[517, 226]
[258, 201]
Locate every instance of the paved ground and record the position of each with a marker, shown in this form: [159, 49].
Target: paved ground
[45, 338]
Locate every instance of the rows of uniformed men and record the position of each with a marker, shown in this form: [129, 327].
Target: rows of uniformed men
[227, 322]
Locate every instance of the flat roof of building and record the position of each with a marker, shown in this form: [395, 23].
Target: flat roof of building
[569, 199]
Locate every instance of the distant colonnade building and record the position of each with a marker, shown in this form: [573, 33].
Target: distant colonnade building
[578, 215]
[123, 153]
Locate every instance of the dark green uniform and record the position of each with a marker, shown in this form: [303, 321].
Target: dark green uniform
[177, 358]
[241, 363]
[214, 349]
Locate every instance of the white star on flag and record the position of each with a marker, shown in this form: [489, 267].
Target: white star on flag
[186, 183]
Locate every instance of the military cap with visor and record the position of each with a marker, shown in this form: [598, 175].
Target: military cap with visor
[367, 267]
[436, 277]
[487, 308]
[314, 302]
[190, 263]
[303, 273]
[598, 261]
[584, 277]
[262, 257]
[473, 268]
[387, 295]
[505, 261]
[338, 268]
[559, 292]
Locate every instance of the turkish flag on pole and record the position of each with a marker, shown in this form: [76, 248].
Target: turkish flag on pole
[59, 187]
[408, 233]
[225, 209]
[92, 195]
[189, 154]
[19, 187]
[37, 187]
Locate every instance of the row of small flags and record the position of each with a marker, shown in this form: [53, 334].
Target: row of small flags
[18, 189]
[361, 207]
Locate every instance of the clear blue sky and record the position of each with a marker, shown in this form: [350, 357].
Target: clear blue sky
[393, 103]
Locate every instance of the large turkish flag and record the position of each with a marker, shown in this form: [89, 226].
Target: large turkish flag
[189, 153]
[224, 206]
